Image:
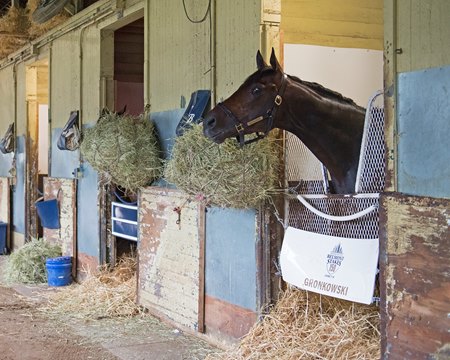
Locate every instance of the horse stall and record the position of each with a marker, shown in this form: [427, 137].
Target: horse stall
[414, 215]
[199, 267]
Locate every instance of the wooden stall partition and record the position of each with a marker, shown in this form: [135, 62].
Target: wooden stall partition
[171, 261]
[415, 277]
[65, 191]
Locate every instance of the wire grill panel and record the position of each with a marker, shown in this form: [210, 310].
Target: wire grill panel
[365, 227]
[372, 168]
[304, 176]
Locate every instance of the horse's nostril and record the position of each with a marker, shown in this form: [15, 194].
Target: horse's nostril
[211, 122]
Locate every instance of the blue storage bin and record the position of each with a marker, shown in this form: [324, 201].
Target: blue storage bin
[48, 212]
[59, 270]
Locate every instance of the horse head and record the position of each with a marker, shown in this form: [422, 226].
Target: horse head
[252, 108]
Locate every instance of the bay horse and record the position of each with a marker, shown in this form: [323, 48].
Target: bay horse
[329, 124]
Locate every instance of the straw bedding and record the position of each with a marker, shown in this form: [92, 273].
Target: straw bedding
[224, 175]
[123, 148]
[107, 294]
[17, 27]
[27, 264]
[304, 325]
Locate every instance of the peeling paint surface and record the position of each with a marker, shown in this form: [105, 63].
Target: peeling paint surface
[64, 191]
[415, 272]
[169, 254]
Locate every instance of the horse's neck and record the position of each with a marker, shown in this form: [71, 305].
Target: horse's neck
[330, 129]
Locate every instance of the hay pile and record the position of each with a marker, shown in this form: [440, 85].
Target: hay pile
[35, 30]
[304, 325]
[13, 30]
[17, 27]
[124, 148]
[107, 294]
[27, 264]
[224, 175]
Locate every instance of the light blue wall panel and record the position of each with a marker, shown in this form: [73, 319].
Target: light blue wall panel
[63, 162]
[166, 123]
[424, 132]
[88, 231]
[230, 259]
[5, 164]
[19, 188]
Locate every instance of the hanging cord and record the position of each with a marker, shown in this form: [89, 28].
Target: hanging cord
[196, 21]
[277, 214]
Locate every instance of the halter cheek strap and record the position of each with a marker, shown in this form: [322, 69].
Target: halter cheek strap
[241, 126]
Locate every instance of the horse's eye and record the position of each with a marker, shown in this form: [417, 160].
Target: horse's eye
[256, 91]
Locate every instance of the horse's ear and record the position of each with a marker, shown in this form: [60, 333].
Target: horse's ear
[260, 63]
[273, 61]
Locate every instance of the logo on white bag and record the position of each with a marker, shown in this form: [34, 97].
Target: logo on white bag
[334, 260]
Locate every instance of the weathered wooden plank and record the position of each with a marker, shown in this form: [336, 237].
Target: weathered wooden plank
[423, 30]
[65, 191]
[390, 94]
[351, 24]
[415, 270]
[169, 253]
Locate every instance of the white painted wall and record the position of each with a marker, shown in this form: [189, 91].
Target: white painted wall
[43, 139]
[355, 73]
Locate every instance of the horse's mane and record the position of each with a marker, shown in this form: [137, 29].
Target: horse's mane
[321, 90]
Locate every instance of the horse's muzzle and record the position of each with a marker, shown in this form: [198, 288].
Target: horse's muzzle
[208, 129]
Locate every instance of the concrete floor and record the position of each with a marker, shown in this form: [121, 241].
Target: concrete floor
[140, 337]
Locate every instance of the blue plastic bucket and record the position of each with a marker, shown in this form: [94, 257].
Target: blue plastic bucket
[59, 271]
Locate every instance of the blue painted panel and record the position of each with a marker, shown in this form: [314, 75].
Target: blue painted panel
[88, 230]
[5, 164]
[230, 259]
[166, 123]
[19, 188]
[424, 132]
[63, 162]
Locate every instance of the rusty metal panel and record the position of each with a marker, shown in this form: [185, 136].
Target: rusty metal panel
[415, 282]
[227, 321]
[63, 190]
[170, 282]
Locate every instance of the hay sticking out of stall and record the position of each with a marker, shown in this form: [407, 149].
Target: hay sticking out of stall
[35, 30]
[13, 31]
[27, 264]
[107, 294]
[305, 325]
[17, 27]
[124, 148]
[224, 175]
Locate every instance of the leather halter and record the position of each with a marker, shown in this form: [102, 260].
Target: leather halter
[241, 126]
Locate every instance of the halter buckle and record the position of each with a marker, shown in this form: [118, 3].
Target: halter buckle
[239, 128]
[278, 100]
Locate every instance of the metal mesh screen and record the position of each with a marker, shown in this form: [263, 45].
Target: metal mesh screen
[303, 169]
[371, 171]
[304, 173]
[340, 205]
